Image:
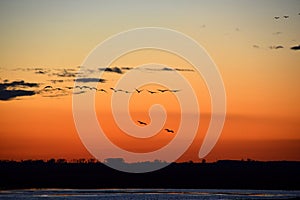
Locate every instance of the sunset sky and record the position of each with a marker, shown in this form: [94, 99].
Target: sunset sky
[44, 42]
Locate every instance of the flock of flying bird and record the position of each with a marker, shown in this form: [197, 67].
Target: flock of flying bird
[165, 90]
[84, 87]
[166, 129]
[48, 87]
[277, 18]
[285, 17]
[139, 91]
[125, 91]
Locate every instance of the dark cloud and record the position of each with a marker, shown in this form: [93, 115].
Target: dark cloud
[10, 94]
[9, 90]
[114, 70]
[295, 48]
[14, 84]
[90, 80]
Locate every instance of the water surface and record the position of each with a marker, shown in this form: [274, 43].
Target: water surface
[126, 194]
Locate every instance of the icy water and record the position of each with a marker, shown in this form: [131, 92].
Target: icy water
[92, 194]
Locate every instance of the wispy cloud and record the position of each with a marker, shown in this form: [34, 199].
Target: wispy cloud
[126, 68]
[184, 70]
[277, 33]
[49, 91]
[169, 69]
[65, 73]
[276, 47]
[54, 81]
[41, 72]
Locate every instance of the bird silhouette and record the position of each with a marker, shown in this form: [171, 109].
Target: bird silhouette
[162, 90]
[174, 90]
[102, 90]
[69, 87]
[151, 92]
[93, 88]
[113, 89]
[286, 16]
[141, 122]
[126, 91]
[80, 87]
[169, 130]
[138, 91]
[276, 17]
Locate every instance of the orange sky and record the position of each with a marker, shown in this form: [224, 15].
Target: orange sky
[262, 83]
[47, 130]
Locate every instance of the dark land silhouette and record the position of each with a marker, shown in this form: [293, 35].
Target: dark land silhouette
[224, 174]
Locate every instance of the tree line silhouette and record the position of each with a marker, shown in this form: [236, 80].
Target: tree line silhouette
[90, 173]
